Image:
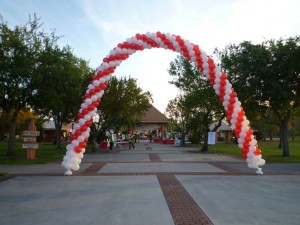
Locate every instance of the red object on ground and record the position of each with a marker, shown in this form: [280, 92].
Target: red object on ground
[104, 145]
[156, 140]
[169, 141]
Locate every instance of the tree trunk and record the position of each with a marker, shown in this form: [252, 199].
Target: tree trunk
[270, 135]
[293, 135]
[58, 125]
[205, 144]
[285, 141]
[94, 137]
[280, 137]
[11, 132]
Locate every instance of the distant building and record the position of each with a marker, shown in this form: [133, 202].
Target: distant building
[224, 132]
[153, 119]
[48, 130]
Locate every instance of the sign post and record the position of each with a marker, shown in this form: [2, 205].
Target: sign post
[212, 139]
[29, 140]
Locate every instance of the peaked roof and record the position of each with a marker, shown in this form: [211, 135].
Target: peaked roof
[49, 125]
[224, 126]
[154, 116]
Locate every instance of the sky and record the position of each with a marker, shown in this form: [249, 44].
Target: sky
[94, 27]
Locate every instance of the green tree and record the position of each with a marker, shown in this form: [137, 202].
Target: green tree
[178, 114]
[19, 48]
[60, 81]
[200, 101]
[266, 74]
[122, 104]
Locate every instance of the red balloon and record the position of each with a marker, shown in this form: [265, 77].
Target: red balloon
[257, 151]
[82, 144]
[78, 149]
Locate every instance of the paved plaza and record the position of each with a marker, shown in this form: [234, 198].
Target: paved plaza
[153, 184]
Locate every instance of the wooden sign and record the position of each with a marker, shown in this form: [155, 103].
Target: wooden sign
[29, 139]
[27, 145]
[30, 133]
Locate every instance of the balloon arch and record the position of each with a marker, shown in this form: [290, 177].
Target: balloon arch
[218, 80]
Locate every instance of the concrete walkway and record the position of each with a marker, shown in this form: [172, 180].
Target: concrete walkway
[153, 184]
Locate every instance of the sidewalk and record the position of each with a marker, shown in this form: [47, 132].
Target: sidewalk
[151, 184]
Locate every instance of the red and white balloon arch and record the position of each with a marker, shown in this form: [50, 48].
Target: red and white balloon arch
[218, 80]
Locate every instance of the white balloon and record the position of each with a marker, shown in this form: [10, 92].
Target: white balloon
[253, 142]
[69, 148]
[246, 122]
[99, 95]
[250, 154]
[216, 86]
[104, 65]
[205, 66]
[90, 86]
[88, 101]
[225, 103]
[236, 109]
[71, 153]
[87, 117]
[75, 143]
[92, 113]
[76, 126]
[80, 155]
[243, 135]
[233, 121]
[226, 97]
[80, 138]
[96, 83]
[94, 98]
[245, 128]
[75, 167]
[234, 115]
[241, 140]
[252, 148]
[86, 134]
[84, 105]
[67, 165]
[228, 91]
[261, 162]
[81, 121]
[253, 165]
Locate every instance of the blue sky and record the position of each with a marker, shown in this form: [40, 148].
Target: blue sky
[94, 27]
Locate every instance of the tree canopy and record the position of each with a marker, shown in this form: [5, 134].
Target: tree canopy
[122, 104]
[266, 76]
[199, 103]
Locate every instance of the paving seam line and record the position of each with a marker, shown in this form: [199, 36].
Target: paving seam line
[182, 206]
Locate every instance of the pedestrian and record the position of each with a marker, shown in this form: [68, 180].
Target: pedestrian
[111, 143]
[131, 143]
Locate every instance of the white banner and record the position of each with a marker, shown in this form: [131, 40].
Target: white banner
[211, 138]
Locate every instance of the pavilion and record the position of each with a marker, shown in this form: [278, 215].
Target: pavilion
[153, 119]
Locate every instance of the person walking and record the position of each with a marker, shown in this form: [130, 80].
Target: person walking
[131, 143]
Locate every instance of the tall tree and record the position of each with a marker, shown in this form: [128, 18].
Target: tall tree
[200, 101]
[267, 74]
[19, 48]
[178, 114]
[122, 104]
[59, 92]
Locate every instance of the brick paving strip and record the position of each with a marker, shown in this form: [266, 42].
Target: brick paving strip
[154, 157]
[183, 208]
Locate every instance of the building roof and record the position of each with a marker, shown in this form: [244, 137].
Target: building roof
[49, 125]
[154, 116]
[224, 126]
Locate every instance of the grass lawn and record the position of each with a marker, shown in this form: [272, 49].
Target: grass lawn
[270, 151]
[46, 152]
